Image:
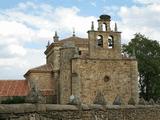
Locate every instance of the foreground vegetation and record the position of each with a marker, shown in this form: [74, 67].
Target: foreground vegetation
[147, 52]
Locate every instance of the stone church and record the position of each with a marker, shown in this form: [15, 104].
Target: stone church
[84, 68]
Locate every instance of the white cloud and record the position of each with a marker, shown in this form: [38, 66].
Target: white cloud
[29, 23]
[147, 1]
[142, 19]
[16, 50]
[137, 19]
[111, 10]
[16, 67]
[15, 32]
[71, 19]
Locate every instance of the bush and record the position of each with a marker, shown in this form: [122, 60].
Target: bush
[14, 100]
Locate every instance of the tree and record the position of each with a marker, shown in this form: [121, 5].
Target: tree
[147, 53]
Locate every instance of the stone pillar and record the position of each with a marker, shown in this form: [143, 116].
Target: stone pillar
[91, 43]
[66, 54]
[134, 81]
[76, 85]
[56, 58]
[56, 79]
[117, 45]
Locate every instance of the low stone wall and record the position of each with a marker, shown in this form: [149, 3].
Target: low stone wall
[84, 112]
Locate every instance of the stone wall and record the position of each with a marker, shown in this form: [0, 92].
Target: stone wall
[85, 112]
[113, 78]
[53, 57]
[104, 52]
[43, 81]
[66, 54]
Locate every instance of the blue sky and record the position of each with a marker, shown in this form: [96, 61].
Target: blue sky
[87, 8]
[89, 4]
[27, 25]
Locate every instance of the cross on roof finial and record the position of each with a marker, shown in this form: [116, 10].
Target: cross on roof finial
[74, 32]
[115, 27]
[92, 26]
[56, 34]
[48, 44]
[55, 37]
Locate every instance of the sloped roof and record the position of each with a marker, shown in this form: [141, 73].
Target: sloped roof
[77, 41]
[9, 88]
[14, 88]
[45, 67]
[74, 39]
[42, 68]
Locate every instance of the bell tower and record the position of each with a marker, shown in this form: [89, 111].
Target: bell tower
[103, 42]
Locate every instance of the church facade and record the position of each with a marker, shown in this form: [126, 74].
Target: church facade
[86, 67]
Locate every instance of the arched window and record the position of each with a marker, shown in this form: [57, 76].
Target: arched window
[110, 42]
[100, 40]
[104, 27]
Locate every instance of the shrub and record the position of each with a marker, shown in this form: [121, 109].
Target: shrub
[14, 100]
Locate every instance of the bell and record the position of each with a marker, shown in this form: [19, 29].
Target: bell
[110, 45]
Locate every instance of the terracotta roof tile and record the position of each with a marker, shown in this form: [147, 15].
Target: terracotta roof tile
[19, 88]
[13, 87]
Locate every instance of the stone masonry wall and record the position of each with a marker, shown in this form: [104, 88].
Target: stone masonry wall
[85, 112]
[111, 77]
[54, 58]
[66, 54]
[104, 52]
[43, 81]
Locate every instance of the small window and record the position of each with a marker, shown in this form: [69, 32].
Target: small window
[100, 40]
[106, 78]
[110, 42]
[79, 52]
[104, 27]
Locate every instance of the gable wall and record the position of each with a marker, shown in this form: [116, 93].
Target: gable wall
[123, 79]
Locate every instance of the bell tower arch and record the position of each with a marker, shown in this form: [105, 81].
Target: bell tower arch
[104, 23]
[103, 42]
